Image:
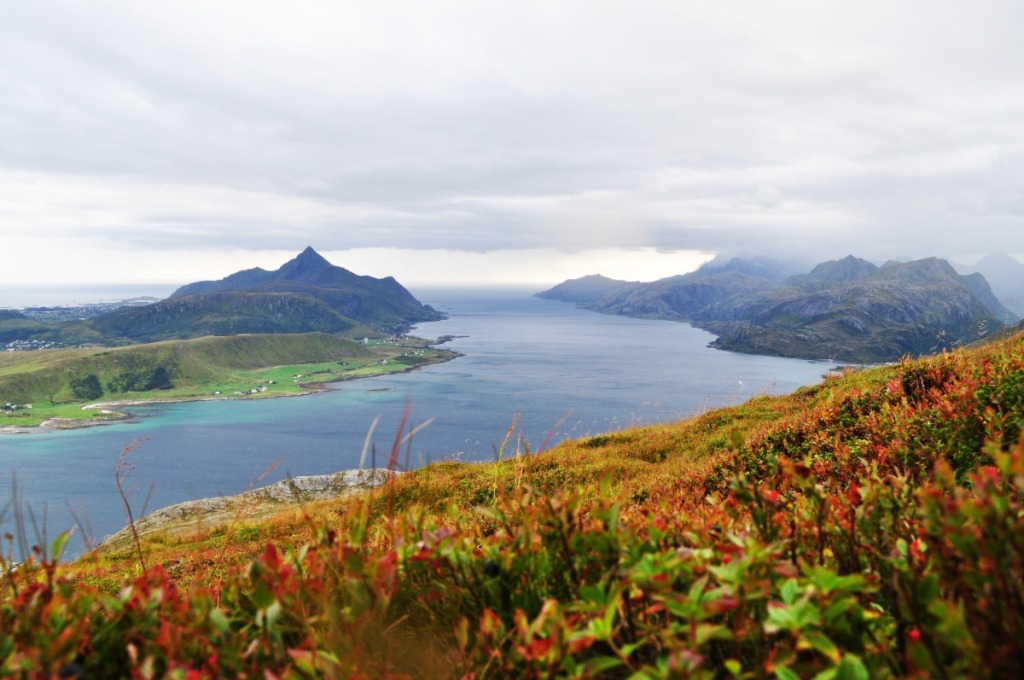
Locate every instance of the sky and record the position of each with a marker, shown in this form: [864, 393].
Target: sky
[491, 142]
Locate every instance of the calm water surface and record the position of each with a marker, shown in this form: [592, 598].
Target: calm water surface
[564, 372]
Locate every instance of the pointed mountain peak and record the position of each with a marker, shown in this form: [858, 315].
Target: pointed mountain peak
[310, 256]
[999, 259]
[308, 265]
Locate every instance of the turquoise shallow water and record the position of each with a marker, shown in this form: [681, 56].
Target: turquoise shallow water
[564, 372]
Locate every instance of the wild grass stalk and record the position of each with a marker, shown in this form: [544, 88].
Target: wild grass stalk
[15, 507]
[367, 443]
[84, 525]
[121, 470]
[553, 432]
[21, 514]
[408, 438]
[396, 447]
[499, 455]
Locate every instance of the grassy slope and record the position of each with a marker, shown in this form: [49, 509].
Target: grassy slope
[869, 526]
[197, 368]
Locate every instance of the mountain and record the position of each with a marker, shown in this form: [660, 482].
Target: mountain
[846, 270]
[761, 267]
[687, 297]
[1005, 275]
[377, 302]
[846, 309]
[585, 290]
[915, 308]
[306, 294]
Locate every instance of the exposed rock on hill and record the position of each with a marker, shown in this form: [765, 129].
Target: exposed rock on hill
[191, 517]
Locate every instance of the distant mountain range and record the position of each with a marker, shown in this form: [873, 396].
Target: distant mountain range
[306, 294]
[849, 309]
[1006, 277]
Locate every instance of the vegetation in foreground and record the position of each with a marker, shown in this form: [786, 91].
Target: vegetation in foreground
[57, 384]
[868, 527]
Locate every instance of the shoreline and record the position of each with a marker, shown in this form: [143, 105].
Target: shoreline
[117, 416]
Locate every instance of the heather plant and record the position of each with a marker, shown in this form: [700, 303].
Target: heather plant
[868, 527]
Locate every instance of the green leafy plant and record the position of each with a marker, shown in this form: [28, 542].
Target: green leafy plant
[870, 527]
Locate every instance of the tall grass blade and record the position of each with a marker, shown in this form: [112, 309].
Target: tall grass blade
[367, 442]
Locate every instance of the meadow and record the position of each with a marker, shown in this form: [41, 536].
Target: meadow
[869, 526]
[53, 385]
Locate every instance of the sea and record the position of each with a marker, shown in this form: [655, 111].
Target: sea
[555, 371]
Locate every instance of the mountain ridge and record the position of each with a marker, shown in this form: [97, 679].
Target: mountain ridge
[846, 309]
[378, 302]
[306, 294]
[1005, 274]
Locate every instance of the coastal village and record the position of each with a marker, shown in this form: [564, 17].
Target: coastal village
[62, 313]
[30, 345]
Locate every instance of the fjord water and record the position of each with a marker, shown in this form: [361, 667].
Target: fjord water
[563, 372]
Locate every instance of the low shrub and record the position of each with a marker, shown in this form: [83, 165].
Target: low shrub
[876, 530]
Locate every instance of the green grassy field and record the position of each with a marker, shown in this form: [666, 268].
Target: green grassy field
[42, 384]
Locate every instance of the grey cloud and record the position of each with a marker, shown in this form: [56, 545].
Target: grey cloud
[842, 126]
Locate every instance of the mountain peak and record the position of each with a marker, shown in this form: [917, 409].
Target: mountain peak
[999, 259]
[367, 299]
[310, 255]
[762, 267]
[846, 270]
[309, 266]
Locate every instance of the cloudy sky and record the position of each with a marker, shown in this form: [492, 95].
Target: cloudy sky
[503, 141]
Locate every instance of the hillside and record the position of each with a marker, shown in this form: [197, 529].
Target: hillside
[56, 384]
[915, 308]
[847, 310]
[226, 313]
[586, 289]
[869, 526]
[15, 327]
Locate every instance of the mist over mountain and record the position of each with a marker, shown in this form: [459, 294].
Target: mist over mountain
[760, 266]
[586, 288]
[1005, 274]
[848, 309]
